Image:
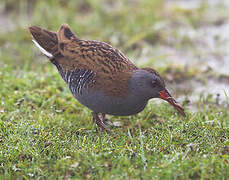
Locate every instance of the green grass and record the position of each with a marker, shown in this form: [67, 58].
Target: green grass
[46, 134]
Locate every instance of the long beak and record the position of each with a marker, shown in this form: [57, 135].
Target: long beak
[164, 94]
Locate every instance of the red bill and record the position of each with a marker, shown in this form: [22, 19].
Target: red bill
[164, 94]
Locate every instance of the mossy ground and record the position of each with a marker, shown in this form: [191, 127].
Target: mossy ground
[46, 134]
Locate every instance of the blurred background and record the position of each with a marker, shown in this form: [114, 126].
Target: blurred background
[187, 41]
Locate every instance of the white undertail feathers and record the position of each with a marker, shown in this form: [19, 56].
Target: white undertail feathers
[42, 49]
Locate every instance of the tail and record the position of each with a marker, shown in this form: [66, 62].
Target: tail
[46, 41]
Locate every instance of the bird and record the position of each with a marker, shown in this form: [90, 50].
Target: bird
[100, 76]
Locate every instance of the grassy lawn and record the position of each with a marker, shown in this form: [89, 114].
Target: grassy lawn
[46, 134]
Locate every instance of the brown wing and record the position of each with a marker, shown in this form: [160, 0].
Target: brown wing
[112, 68]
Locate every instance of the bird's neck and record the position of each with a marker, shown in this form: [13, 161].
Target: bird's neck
[138, 85]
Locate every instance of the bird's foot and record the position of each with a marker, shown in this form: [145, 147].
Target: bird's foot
[99, 122]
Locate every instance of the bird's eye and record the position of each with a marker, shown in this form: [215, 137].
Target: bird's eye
[154, 82]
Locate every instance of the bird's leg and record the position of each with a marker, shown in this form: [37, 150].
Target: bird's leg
[105, 121]
[99, 122]
[103, 117]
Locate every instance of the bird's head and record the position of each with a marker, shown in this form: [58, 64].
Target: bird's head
[149, 83]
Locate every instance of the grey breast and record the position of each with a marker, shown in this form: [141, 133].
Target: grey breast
[78, 82]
